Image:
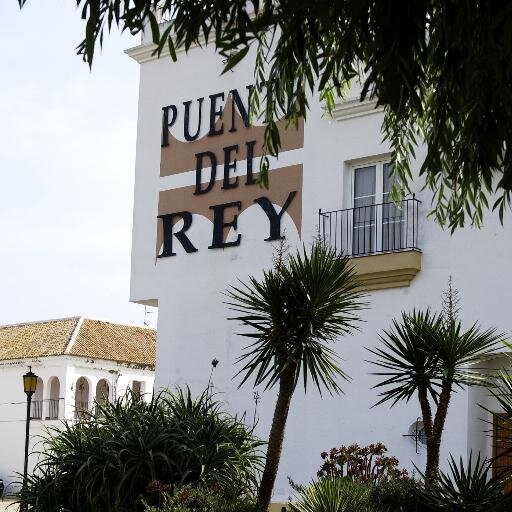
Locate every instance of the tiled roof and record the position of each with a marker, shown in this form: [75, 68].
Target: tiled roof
[81, 337]
[106, 340]
[49, 338]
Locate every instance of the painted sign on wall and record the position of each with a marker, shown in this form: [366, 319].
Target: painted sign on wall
[225, 179]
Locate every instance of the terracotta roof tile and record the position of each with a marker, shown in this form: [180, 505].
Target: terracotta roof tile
[94, 339]
[36, 339]
[124, 343]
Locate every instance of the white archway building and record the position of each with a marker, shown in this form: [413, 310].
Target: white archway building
[78, 361]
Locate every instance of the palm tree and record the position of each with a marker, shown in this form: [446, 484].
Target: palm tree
[292, 314]
[428, 356]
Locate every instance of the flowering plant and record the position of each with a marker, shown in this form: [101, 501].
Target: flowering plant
[361, 463]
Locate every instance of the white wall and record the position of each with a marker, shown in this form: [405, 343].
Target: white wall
[192, 325]
[68, 370]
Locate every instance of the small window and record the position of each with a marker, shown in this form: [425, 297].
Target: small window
[137, 389]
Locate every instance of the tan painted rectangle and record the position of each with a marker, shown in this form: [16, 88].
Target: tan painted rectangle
[281, 182]
[278, 507]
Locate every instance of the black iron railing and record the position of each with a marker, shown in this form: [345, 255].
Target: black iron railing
[372, 229]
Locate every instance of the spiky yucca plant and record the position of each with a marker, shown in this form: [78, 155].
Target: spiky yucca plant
[427, 356]
[334, 494]
[293, 313]
[467, 489]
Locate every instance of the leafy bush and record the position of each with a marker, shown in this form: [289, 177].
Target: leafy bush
[398, 495]
[467, 490]
[202, 499]
[363, 464]
[334, 494]
[133, 450]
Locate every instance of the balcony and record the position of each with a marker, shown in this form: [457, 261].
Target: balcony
[53, 409]
[381, 238]
[36, 409]
[45, 409]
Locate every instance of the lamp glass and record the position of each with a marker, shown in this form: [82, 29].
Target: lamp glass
[29, 382]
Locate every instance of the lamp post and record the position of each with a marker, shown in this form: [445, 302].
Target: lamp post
[29, 386]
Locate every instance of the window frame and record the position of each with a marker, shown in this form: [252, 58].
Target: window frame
[380, 242]
[379, 177]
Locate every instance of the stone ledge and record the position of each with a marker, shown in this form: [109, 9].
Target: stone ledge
[387, 270]
[353, 107]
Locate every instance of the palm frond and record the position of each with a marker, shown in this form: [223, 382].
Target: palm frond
[293, 314]
[423, 350]
[406, 357]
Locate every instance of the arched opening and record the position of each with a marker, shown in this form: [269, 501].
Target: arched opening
[102, 392]
[54, 400]
[36, 412]
[81, 397]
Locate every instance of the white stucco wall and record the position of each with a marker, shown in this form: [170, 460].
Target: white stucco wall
[192, 325]
[68, 370]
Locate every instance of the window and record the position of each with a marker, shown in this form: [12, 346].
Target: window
[137, 389]
[370, 222]
[377, 224]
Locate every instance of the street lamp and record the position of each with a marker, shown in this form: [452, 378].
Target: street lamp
[29, 386]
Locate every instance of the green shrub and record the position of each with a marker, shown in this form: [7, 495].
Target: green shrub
[398, 495]
[133, 450]
[334, 494]
[203, 499]
[467, 490]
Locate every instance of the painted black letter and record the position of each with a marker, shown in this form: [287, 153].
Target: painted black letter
[250, 180]
[199, 172]
[219, 224]
[167, 223]
[215, 113]
[273, 216]
[228, 165]
[166, 124]
[186, 122]
[244, 112]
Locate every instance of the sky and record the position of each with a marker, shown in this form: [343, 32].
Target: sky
[67, 150]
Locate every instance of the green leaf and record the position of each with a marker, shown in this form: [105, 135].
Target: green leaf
[234, 59]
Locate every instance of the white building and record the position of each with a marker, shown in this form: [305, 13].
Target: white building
[197, 231]
[78, 361]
